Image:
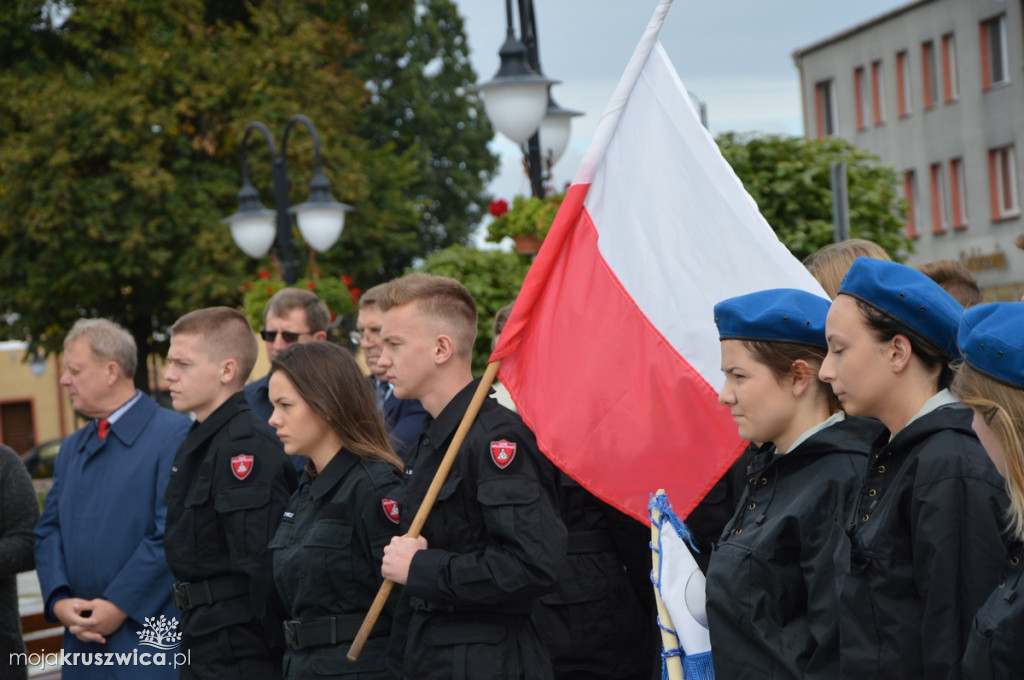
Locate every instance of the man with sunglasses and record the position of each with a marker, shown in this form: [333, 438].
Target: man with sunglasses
[292, 315]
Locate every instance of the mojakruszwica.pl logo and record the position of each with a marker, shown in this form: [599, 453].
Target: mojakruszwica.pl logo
[159, 633]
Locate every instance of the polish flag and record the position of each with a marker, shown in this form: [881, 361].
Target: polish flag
[611, 352]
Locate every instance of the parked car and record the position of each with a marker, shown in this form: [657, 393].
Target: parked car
[39, 460]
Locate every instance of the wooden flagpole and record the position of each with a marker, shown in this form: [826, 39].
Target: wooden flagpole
[428, 502]
[673, 664]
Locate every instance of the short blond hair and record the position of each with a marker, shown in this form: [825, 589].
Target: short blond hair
[225, 334]
[829, 263]
[371, 297]
[442, 299]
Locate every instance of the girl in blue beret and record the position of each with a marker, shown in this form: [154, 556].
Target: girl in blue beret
[991, 382]
[924, 546]
[771, 596]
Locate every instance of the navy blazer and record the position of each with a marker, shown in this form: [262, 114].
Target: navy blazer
[404, 418]
[101, 533]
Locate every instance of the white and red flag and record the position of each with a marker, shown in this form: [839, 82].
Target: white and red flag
[611, 352]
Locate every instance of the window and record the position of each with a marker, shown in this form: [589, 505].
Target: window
[929, 74]
[958, 193]
[950, 84]
[878, 92]
[903, 83]
[1002, 178]
[17, 425]
[861, 97]
[940, 206]
[825, 108]
[910, 195]
[993, 52]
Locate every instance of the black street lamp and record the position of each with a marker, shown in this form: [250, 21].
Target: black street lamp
[321, 218]
[518, 100]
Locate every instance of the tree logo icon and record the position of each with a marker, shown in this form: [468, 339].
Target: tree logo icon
[160, 633]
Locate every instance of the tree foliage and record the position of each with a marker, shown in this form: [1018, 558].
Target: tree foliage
[119, 140]
[493, 278]
[788, 178]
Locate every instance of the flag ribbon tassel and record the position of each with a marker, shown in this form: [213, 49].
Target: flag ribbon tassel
[679, 588]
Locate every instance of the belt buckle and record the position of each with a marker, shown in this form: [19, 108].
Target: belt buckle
[179, 592]
[291, 634]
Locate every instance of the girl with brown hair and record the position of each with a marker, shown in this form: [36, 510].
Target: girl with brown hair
[329, 546]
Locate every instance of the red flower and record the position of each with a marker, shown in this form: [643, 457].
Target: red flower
[498, 207]
[270, 290]
[248, 285]
[333, 317]
[311, 285]
[355, 293]
[346, 280]
[264, 274]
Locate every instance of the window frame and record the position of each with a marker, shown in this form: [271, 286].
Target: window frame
[904, 106]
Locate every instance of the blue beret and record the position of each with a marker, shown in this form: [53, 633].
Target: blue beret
[775, 315]
[908, 296]
[992, 341]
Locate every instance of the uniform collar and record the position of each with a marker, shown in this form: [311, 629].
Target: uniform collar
[334, 472]
[438, 429]
[200, 432]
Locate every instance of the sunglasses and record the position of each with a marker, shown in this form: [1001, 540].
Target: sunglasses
[287, 336]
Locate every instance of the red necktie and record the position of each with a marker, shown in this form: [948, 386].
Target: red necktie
[103, 427]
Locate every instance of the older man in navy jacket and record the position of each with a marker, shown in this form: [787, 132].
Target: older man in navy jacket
[99, 543]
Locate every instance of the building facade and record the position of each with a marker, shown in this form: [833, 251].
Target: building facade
[935, 88]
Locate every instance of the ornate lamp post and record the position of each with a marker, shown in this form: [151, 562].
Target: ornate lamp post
[518, 100]
[321, 218]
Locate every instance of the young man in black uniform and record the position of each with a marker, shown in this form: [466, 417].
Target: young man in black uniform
[228, 489]
[494, 541]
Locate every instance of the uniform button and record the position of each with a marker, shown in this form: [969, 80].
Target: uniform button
[1015, 560]
[865, 518]
[872, 492]
[752, 506]
[740, 530]
[764, 480]
[881, 469]
[1003, 584]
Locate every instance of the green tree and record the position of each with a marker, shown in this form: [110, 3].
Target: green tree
[427, 113]
[493, 277]
[788, 177]
[119, 136]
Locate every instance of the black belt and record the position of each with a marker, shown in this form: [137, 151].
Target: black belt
[330, 630]
[191, 595]
[596, 541]
[520, 608]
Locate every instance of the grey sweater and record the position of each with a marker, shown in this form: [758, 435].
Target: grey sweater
[19, 511]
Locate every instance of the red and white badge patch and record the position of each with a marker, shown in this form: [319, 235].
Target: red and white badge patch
[241, 465]
[502, 452]
[391, 509]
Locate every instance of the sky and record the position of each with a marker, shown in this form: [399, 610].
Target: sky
[734, 55]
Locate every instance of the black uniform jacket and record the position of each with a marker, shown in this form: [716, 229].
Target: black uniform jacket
[997, 635]
[599, 621]
[771, 584]
[924, 552]
[223, 509]
[327, 555]
[496, 543]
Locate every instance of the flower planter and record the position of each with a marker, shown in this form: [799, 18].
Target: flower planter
[526, 245]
